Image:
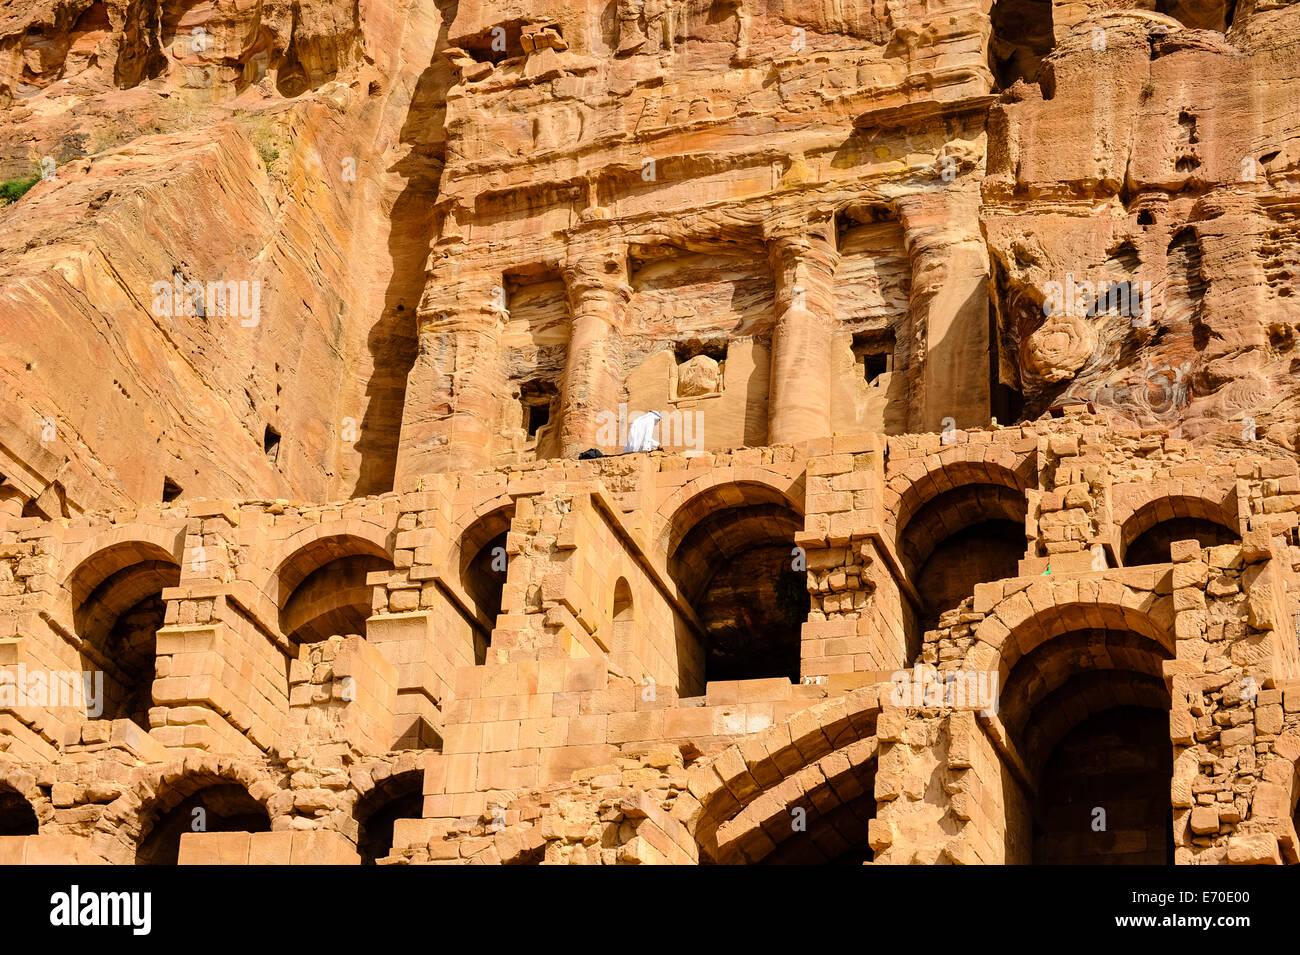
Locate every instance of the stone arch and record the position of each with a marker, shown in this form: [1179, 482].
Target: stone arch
[730, 550]
[1155, 517]
[399, 795]
[920, 480]
[957, 519]
[24, 809]
[117, 609]
[480, 559]
[159, 790]
[738, 808]
[113, 548]
[1085, 707]
[320, 579]
[623, 616]
[720, 487]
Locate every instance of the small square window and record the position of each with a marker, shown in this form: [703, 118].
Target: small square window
[539, 415]
[875, 365]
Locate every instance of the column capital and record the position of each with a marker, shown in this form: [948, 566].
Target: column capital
[597, 282]
[811, 247]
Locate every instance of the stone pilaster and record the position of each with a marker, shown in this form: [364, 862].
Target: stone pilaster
[449, 421]
[948, 313]
[803, 269]
[598, 294]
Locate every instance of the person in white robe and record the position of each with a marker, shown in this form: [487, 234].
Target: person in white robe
[641, 436]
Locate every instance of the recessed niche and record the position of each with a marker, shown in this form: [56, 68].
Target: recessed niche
[873, 354]
[537, 399]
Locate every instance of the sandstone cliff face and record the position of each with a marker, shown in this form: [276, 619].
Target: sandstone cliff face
[1163, 159]
[440, 207]
[270, 146]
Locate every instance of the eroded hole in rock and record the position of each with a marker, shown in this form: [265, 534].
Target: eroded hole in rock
[271, 444]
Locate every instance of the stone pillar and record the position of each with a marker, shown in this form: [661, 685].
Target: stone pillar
[12, 500]
[948, 316]
[449, 421]
[803, 269]
[598, 294]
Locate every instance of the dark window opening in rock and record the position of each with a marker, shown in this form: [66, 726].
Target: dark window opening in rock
[739, 570]
[271, 444]
[1152, 546]
[171, 490]
[220, 807]
[397, 797]
[873, 352]
[1022, 36]
[1104, 793]
[537, 400]
[539, 415]
[1146, 217]
[873, 366]
[119, 610]
[1187, 164]
[17, 817]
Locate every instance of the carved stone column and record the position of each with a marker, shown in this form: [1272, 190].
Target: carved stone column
[598, 296]
[453, 392]
[948, 312]
[799, 402]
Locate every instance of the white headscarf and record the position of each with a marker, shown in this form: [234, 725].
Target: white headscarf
[641, 436]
